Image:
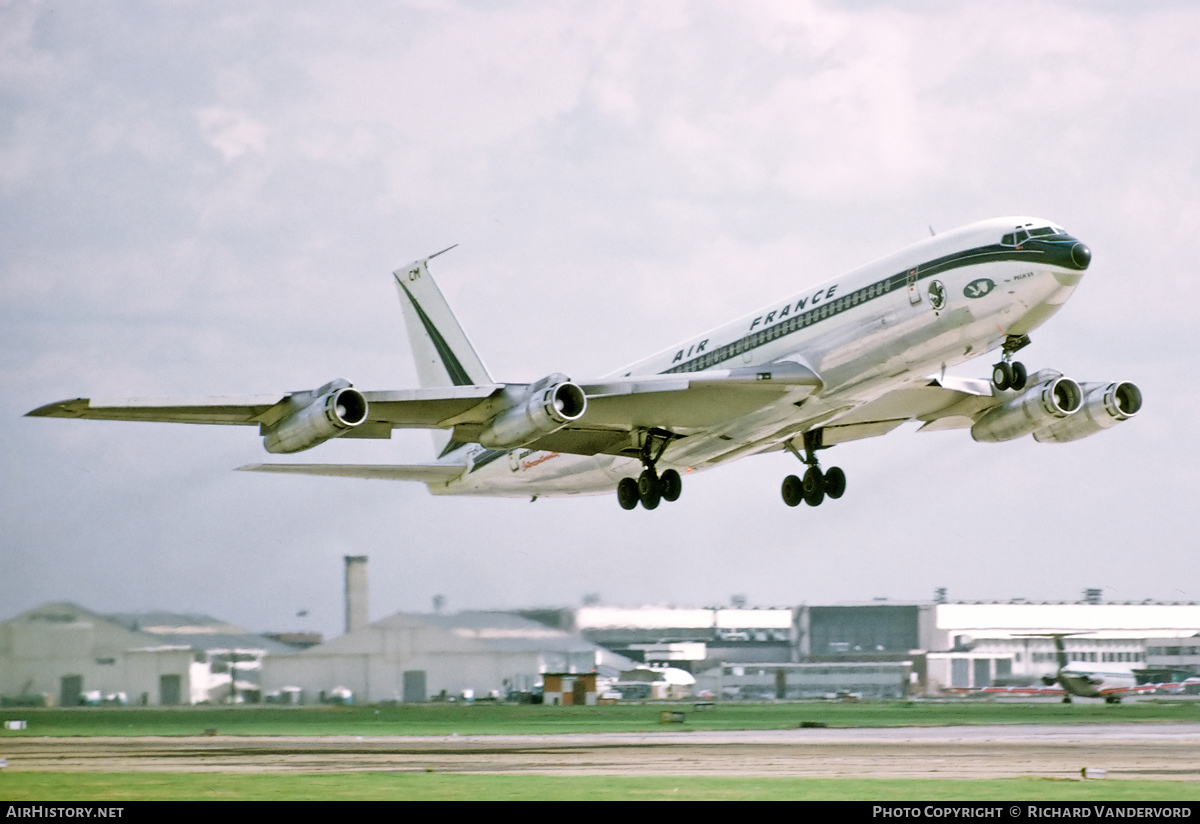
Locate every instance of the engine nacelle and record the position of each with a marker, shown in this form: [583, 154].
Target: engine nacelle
[546, 407]
[325, 413]
[1104, 405]
[1036, 408]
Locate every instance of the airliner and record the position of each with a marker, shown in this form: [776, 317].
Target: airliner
[850, 358]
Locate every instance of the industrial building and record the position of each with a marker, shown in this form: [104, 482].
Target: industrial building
[411, 657]
[63, 654]
[891, 649]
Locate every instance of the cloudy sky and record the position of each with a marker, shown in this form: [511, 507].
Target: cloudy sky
[208, 198]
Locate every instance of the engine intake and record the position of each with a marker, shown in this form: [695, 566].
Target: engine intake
[318, 416]
[546, 407]
[1036, 408]
[1105, 405]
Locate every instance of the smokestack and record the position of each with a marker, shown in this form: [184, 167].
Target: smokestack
[356, 592]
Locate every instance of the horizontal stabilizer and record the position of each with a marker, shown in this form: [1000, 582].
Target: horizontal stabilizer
[425, 473]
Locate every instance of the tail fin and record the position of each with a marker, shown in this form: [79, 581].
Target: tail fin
[441, 350]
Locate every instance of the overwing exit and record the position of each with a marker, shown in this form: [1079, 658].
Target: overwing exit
[842, 360]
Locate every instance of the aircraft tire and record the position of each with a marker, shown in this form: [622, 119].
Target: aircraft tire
[793, 490]
[1002, 375]
[672, 485]
[814, 486]
[1019, 376]
[653, 498]
[835, 482]
[627, 493]
[1066, 699]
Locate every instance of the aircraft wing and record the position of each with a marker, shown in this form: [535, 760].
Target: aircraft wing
[416, 408]
[615, 407]
[941, 403]
[244, 410]
[426, 473]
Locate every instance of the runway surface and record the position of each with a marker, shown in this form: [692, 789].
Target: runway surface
[1150, 751]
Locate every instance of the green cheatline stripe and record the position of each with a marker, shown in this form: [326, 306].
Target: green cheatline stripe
[458, 375]
[969, 257]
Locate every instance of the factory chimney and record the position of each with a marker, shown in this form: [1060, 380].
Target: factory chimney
[356, 592]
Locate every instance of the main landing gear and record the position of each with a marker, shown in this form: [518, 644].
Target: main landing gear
[1009, 374]
[813, 488]
[650, 489]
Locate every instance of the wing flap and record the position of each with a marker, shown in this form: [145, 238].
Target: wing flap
[693, 400]
[429, 408]
[424, 473]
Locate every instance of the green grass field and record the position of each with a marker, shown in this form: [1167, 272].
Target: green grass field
[40, 786]
[497, 719]
[493, 719]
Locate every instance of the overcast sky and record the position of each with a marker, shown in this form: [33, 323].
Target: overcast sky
[209, 198]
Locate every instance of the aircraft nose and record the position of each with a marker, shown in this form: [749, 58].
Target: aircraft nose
[1081, 255]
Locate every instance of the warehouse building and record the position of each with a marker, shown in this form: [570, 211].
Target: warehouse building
[411, 657]
[63, 654]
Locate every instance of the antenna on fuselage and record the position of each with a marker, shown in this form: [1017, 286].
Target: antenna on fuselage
[931, 232]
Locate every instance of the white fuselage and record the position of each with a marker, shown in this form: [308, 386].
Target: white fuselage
[1096, 682]
[865, 333]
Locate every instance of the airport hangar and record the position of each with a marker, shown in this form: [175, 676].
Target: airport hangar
[61, 653]
[64, 653]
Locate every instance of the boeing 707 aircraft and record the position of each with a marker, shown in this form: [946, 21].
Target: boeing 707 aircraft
[846, 359]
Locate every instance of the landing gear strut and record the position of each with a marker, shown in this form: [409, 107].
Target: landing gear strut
[1009, 374]
[650, 488]
[816, 485]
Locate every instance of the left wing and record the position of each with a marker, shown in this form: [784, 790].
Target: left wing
[614, 407]
[426, 473]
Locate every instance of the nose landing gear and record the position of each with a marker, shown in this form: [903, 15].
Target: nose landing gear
[816, 485]
[1009, 374]
[650, 488]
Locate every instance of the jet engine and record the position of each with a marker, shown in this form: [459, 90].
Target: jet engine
[316, 416]
[1104, 405]
[546, 407]
[1050, 400]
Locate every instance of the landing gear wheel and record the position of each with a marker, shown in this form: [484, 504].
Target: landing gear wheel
[1002, 375]
[1066, 699]
[649, 489]
[1112, 699]
[793, 490]
[835, 482]
[814, 486]
[672, 485]
[627, 493]
[1019, 376]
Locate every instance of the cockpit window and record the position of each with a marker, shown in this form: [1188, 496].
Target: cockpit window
[1042, 230]
[1007, 240]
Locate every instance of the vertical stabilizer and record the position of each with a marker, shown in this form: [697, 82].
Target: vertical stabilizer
[441, 350]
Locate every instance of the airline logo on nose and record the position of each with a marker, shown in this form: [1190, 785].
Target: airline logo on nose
[978, 288]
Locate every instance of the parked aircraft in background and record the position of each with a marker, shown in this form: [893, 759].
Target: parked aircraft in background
[1110, 680]
[846, 359]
